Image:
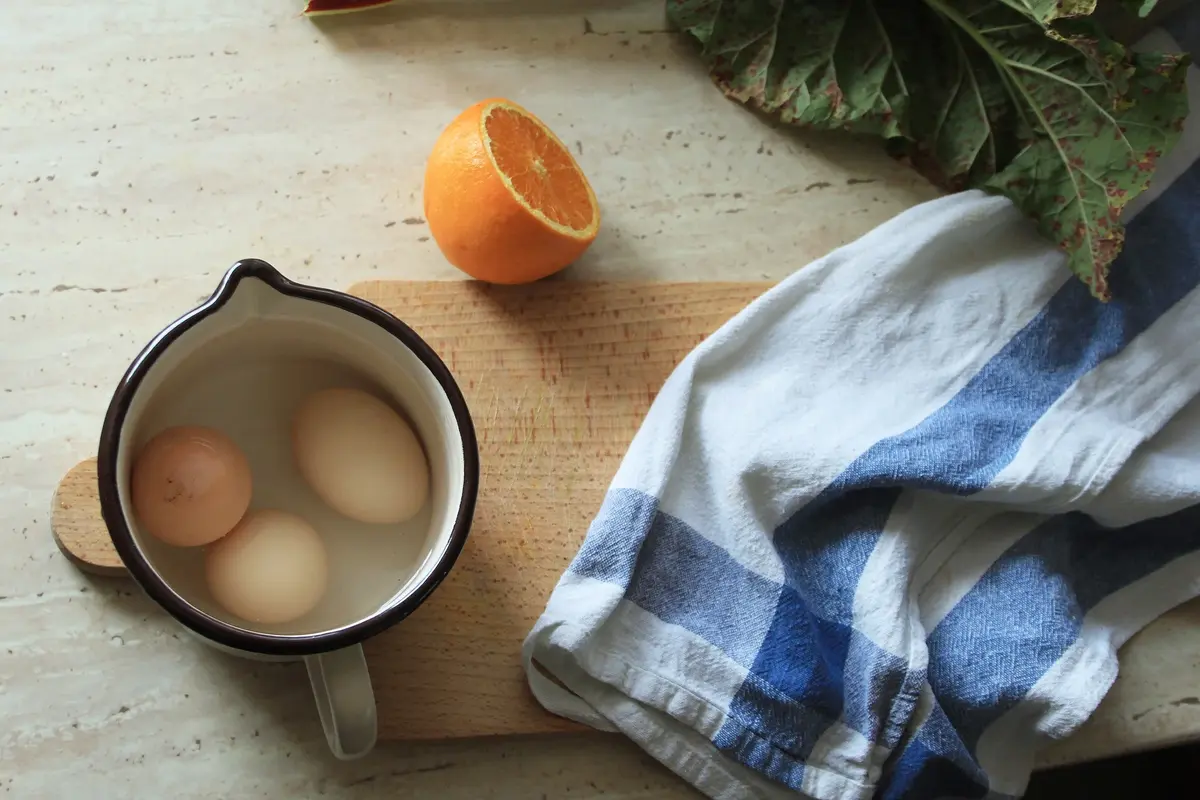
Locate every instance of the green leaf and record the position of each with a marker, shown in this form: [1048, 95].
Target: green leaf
[1025, 98]
[962, 119]
[826, 64]
[1140, 7]
[1096, 118]
[1047, 11]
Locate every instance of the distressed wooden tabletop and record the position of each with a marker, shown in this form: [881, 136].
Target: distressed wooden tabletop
[145, 146]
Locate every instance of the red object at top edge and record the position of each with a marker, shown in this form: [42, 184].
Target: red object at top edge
[340, 6]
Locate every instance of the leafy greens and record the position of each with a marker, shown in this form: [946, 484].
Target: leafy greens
[1024, 98]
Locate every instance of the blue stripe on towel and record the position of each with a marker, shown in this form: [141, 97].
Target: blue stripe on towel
[610, 551]
[1029, 607]
[935, 764]
[1013, 626]
[1154, 271]
[958, 449]
[963, 445]
[797, 678]
[678, 575]
[684, 579]
[1071, 561]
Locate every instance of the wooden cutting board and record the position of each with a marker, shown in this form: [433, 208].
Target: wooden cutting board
[558, 376]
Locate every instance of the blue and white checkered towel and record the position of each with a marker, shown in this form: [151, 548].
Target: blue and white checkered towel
[882, 534]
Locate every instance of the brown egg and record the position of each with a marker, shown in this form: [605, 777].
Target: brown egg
[191, 485]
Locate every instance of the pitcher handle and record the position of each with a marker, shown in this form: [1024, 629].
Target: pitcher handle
[345, 701]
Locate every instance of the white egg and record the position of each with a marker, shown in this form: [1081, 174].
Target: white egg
[270, 568]
[360, 456]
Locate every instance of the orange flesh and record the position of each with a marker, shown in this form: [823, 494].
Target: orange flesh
[539, 169]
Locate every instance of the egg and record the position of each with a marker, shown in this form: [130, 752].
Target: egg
[190, 486]
[360, 456]
[272, 568]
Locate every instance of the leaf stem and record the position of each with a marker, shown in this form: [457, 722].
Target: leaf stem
[1003, 28]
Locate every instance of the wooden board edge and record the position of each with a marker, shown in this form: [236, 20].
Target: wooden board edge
[359, 288]
[69, 546]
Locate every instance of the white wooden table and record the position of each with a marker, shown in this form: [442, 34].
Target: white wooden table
[144, 146]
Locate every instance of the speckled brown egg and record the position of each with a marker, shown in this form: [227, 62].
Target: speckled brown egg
[191, 485]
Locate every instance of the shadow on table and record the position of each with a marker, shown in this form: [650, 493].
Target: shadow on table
[1121, 778]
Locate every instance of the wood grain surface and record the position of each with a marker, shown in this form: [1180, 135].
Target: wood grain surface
[76, 525]
[558, 377]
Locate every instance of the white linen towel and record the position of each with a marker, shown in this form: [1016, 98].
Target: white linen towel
[882, 534]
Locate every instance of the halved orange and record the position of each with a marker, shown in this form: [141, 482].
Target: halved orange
[504, 198]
